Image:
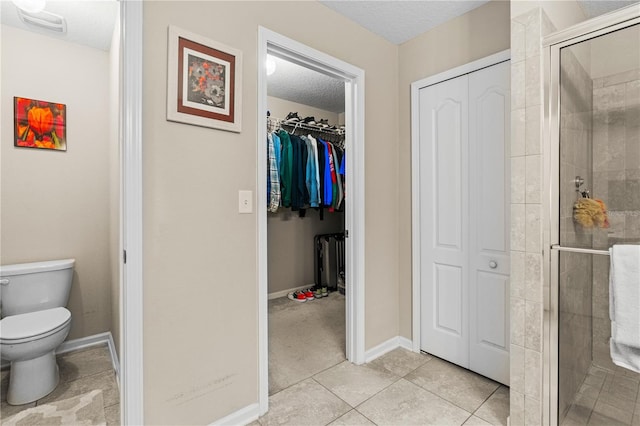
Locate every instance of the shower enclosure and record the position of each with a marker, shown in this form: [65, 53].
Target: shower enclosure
[592, 85]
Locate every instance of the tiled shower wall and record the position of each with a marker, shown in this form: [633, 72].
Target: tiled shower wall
[574, 322]
[526, 214]
[616, 165]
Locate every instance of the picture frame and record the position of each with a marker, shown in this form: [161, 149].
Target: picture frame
[39, 124]
[204, 82]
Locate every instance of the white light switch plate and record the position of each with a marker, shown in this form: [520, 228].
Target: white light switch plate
[245, 201]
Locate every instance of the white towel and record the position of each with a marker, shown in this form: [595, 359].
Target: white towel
[624, 305]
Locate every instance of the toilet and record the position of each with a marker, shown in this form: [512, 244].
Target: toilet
[34, 323]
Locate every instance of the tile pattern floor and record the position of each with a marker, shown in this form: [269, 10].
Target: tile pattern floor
[399, 388]
[80, 372]
[606, 398]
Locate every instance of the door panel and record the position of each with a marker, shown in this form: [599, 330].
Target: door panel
[447, 298]
[444, 232]
[489, 131]
[464, 200]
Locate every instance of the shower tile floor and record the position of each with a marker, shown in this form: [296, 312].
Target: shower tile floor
[80, 372]
[312, 384]
[606, 398]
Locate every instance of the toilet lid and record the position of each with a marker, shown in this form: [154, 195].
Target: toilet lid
[33, 323]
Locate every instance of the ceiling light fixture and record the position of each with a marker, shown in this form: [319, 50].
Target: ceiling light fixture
[271, 65]
[31, 6]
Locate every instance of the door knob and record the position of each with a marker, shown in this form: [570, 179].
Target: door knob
[493, 264]
[4, 281]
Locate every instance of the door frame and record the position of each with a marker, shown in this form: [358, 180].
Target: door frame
[131, 284]
[470, 67]
[298, 53]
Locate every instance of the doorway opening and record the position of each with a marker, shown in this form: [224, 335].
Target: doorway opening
[284, 49]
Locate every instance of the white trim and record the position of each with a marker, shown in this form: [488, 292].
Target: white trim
[243, 416]
[278, 294]
[387, 346]
[405, 343]
[479, 64]
[278, 45]
[131, 287]
[381, 349]
[488, 61]
[85, 343]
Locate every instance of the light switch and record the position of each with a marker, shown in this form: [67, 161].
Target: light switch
[245, 201]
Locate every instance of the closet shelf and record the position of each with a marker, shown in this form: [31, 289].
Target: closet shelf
[274, 123]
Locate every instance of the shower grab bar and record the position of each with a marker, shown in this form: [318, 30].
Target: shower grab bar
[579, 250]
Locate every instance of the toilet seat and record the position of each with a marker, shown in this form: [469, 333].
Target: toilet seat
[31, 326]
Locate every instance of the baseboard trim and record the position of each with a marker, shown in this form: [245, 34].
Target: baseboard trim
[381, 349]
[83, 343]
[283, 293]
[243, 416]
[388, 346]
[405, 343]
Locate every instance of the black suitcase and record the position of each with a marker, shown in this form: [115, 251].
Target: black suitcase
[329, 261]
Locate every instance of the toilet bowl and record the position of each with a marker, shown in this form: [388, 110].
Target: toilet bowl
[34, 323]
[29, 342]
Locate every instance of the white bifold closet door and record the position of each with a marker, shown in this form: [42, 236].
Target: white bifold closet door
[464, 200]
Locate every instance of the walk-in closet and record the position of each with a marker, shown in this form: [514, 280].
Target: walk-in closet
[306, 199]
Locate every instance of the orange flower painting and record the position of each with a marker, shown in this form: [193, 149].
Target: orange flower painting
[40, 124]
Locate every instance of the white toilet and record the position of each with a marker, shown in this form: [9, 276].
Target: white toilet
[34, 323]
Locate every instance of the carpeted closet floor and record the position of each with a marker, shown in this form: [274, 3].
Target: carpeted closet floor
[305, 338]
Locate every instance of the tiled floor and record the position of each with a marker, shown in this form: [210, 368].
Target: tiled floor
[399, 388]
[606, 398]
[80, 372]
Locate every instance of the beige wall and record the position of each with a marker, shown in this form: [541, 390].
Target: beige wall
[291, 249]
[477, 34]
[281, 107]
[56, 204]
[200, 308]
[290, 238]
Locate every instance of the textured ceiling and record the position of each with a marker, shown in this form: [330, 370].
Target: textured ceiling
[593, 8]
[88, 22]
[298, 84]
[399, 21]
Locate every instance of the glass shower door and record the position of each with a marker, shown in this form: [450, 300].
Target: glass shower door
[598, 207]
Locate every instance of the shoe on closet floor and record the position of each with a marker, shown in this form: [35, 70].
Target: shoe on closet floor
[325, 291]
[308, 293]
[317, 293]
[297, 296]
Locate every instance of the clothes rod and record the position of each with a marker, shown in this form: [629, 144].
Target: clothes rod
[579, 250]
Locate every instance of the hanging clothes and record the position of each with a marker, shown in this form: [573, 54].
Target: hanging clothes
[273, 179]
[304, 172]
[286, 170]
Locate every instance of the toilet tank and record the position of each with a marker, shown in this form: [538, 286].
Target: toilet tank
[29, 287]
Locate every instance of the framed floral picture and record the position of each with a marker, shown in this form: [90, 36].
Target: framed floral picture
[39, 124]
[204, 85]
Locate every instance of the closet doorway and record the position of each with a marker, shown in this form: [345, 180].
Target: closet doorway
[461, 216]
[274, 46]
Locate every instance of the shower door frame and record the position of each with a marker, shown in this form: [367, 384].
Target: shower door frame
[552, 45]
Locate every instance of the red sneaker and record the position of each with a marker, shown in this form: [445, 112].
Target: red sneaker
[297, 296]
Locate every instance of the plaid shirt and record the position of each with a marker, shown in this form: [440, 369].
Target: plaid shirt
[273, 178]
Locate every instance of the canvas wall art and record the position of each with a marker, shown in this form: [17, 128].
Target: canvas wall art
[39, 124]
